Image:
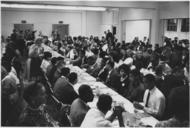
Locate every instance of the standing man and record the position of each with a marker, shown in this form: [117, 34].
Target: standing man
[109, 35]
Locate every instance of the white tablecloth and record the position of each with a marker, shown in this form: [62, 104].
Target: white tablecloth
[130, 117]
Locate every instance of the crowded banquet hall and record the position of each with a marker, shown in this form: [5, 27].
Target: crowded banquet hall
[95, 63]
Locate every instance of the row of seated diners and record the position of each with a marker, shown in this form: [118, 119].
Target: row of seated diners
[131, 115]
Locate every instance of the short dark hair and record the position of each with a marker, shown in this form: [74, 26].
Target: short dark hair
[135, 73]
[85, 93]
[104, 102]
[32, 90]
[47, 55]
[60, 58]
[72, 77]
[159, 70]
[125, 67]
[102, 54]
[111, 63]
[95, 51]
[54, 60]
[65, 71]
[150, 77]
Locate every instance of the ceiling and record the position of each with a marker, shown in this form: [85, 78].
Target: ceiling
[103, 3]
[108, 4]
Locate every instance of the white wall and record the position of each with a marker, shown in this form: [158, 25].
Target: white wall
[137, 28]
[80, 23]
[174, 10]
[107, 21]
[93, 23]
[42, 20]
[110, 18]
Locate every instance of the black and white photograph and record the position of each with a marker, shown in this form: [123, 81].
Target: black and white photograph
[94, 63]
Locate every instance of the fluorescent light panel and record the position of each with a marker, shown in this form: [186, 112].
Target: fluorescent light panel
[52, 7]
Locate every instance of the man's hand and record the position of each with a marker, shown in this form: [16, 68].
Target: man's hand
[118, 110]
[137, 105]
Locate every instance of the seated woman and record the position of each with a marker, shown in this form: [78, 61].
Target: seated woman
[46, 61]
[136, 88]
[35, 113]
[98, 65]
[124, 73]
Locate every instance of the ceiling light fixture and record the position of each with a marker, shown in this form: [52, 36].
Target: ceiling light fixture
[27, 6]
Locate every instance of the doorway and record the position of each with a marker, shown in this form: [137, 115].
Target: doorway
[136, 28]
[62, 29]
[24, 27]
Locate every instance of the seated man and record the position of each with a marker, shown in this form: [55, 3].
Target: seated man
[112, 76]
[95, 117]
[79, 107]
[64, 90]
[153, 100]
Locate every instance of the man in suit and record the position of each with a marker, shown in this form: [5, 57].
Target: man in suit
[63, 88]
[80, 60]
[113, 77]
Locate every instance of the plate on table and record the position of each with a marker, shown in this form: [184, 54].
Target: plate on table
[131, 120]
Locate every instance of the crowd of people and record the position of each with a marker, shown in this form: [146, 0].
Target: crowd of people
[37, 87]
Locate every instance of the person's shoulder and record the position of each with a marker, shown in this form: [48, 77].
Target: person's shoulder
[172, 122]
[76, 101]
[104, 123]
[93, 110]
[8, 80]
[160, 95]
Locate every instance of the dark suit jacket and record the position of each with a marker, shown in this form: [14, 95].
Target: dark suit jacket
[64, 91]
[169, 83]
[113, 81]
[103, 74]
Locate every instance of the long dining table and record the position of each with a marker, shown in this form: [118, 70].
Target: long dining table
[131, 117]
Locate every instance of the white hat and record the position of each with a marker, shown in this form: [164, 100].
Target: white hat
[128, 61]
[133, 67]
[146, 72]
[50, 39]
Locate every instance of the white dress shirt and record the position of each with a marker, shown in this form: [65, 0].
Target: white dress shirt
[95, 118]
[156, 102]
[44, 65]
[71, 54]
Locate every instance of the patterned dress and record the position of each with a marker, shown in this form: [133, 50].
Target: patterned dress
[36, 117]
